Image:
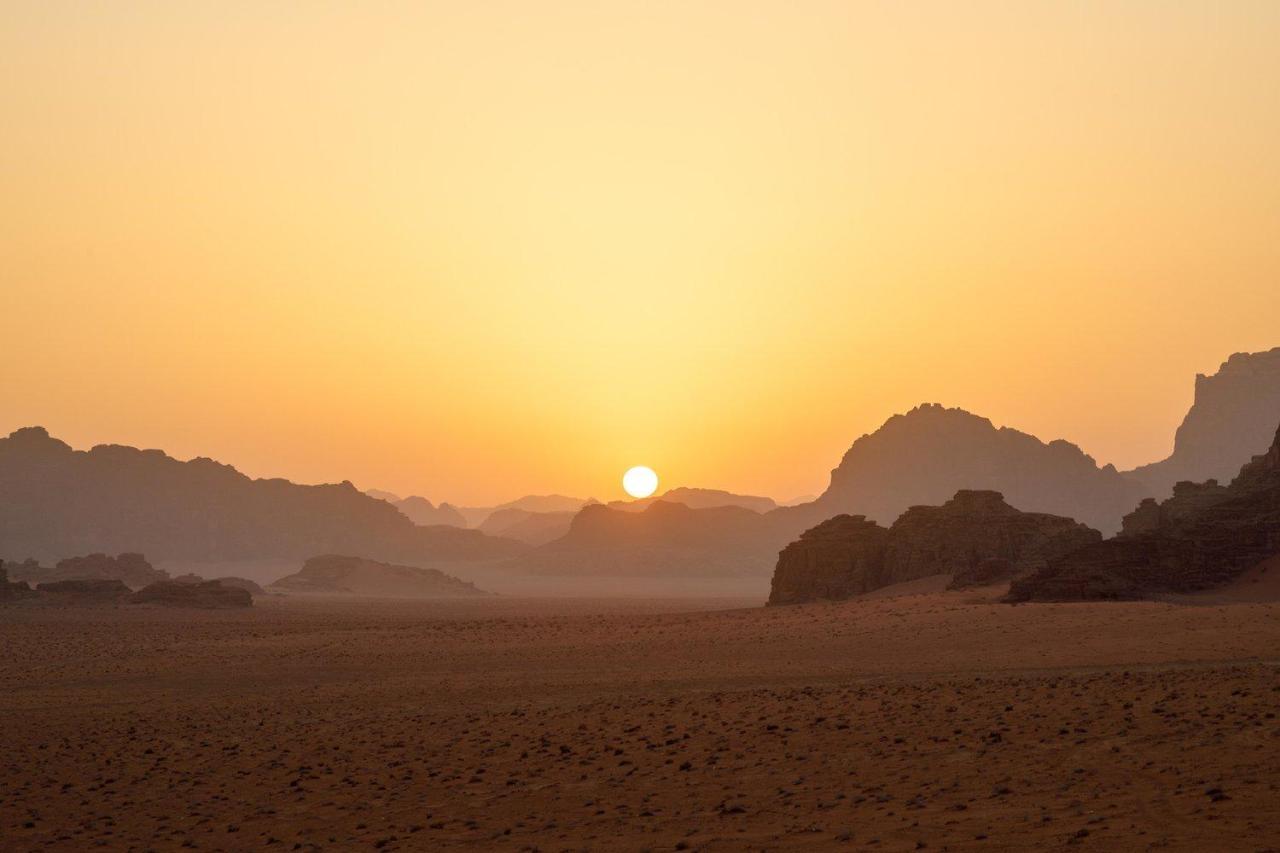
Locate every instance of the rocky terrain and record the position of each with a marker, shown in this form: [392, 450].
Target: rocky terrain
[55, 502]
[335, 574]
[206, 595]
[131, 569]
[930, 721]
[926, 455]
[1232, 418]
[975, 536]
[1201, 538]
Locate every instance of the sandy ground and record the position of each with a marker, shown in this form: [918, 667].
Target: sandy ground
[939, 721]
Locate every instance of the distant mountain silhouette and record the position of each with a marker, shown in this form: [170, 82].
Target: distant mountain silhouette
[475, 515]
[699, 499]
[57, 502]
[1232, 419]
[927, 455]
[662, 540]
[421, 511]
[535, 528]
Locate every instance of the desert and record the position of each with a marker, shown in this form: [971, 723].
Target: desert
[911, 718]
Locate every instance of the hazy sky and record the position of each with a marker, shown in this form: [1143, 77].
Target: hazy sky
[473, 250]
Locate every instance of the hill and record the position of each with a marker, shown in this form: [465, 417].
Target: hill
[336, 574]
[57, 502]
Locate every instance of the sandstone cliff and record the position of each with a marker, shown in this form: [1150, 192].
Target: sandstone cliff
[1231, 419]
[1201, 538]
[976, 537]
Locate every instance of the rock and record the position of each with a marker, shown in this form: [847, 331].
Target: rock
[337, 574]
[840, 558]
[1203, 537]
[926, 455]
[975, 536]
[1232, 418]
[237, 583]
[84, 591]
[11, 590]
[202, 594]
[131, 569]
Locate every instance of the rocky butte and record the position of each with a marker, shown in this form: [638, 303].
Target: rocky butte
[1202, 537]
[975, 536]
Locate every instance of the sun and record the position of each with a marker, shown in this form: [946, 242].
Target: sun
[640, 482]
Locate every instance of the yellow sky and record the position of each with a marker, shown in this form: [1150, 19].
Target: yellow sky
[473, 250]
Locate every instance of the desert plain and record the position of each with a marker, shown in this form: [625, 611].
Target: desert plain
[912, 719]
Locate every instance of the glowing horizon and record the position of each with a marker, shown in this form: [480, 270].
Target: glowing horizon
[477, 250]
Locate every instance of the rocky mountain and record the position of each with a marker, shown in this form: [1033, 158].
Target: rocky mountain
[926, 455]
[699, 499]
[975, 536]
[1201, 538]
[422, 511]
[337, 574]
[534, 528]
[56, 502]
[476, 515]
[662, 540]
[1230, 420]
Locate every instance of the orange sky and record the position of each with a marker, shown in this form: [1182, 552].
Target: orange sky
[473, 250]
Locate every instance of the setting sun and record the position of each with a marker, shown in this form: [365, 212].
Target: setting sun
[640, 481]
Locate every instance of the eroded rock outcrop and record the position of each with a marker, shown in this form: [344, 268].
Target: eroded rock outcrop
[1201, 538]
[337, 574]
[12, 590]
[976, 537]
[1232, 419]
[132, 570]
[208, 595]
[91, 591]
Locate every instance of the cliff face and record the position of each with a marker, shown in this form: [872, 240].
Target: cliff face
[56, 502]
[1201, 538]
[926, 455]
[841, 557]
[1232, 418]
[975, 536]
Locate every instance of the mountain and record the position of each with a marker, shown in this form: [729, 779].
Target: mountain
[931, 452]
[534, 528]
[422, 511]
[1203, 537]
[699, 499]
[57, 502]
[662, 540]
[1230, 420]
[336, 574]
[475, 515]
[975, 536]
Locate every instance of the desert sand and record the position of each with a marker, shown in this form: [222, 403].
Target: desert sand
[912, 719]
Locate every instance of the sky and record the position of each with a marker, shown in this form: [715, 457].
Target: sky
[474, 250]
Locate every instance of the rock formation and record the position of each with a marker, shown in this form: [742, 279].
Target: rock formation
[1201, 538]
[1231, 419]
[92, 591]
[535, 528]
[247, 585]
[422, 511]
[926, 455]
[476, 515]
[131, 569]
[336, 574]
[975, 536]
[56, 502]
[12, 590]
[202, 594]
